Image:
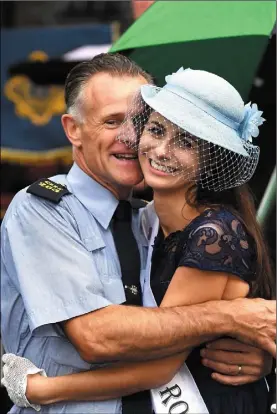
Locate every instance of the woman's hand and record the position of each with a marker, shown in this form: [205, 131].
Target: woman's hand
[235, 363]
[16, 371]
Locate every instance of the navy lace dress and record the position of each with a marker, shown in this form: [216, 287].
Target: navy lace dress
[215, 241]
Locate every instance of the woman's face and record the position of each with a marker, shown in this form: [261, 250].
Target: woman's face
[168, 155]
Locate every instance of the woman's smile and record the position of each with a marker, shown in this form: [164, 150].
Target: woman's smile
[162, 168]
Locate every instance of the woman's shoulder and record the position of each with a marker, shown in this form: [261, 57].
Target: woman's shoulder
[221, 225]
[217, 240]
[221, 219]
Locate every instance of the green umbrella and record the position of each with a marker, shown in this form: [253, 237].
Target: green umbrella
[224, 37]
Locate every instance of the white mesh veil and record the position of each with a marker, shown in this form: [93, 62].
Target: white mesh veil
[175, 151]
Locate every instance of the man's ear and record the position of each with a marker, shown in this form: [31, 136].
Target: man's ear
[72, 130]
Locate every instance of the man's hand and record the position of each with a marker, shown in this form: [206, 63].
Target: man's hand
[252, 321]
[225, 356]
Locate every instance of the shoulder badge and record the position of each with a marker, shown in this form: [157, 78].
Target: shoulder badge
[137, 203]
[49, 190]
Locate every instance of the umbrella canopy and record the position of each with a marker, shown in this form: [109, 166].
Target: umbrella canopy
[227, 38]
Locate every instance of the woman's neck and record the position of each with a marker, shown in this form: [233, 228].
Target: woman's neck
[173, 211]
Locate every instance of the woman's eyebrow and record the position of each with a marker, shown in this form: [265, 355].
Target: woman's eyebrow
[158, 124]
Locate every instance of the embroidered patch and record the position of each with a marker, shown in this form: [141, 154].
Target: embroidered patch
[49, 190]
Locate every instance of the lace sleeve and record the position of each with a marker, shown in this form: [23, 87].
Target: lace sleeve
[219, 243]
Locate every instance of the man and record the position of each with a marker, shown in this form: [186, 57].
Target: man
[62, 290]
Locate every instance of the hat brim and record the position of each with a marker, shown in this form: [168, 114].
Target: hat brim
[193, 119]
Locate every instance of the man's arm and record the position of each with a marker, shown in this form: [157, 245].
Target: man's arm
[131, 333]
[105, 331]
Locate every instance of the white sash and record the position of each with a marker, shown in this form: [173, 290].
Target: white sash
[181, 394]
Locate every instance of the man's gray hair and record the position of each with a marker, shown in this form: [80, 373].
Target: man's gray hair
[114, 64]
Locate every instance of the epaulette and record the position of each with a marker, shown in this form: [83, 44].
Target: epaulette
[49, 190]
[137, 203]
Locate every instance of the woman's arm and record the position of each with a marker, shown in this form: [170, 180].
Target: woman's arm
[188, 286]
[102, 384]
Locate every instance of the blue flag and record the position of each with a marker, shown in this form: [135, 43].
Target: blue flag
[31, 129]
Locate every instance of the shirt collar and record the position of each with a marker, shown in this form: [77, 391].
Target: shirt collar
[96, 198]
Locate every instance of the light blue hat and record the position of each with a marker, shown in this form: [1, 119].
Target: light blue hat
[208, 107]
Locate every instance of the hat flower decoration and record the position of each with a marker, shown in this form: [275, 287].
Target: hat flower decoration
[250, 123]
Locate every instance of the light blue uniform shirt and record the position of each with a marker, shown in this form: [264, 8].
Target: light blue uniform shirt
[59, 261]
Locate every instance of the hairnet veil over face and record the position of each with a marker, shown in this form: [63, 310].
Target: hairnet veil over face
[175, 151]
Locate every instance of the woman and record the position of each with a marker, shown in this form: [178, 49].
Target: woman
[193, 138]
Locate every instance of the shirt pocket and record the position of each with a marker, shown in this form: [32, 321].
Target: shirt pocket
[110, 275]
[109, 271]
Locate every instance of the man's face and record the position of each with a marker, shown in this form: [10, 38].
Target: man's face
[104, 103]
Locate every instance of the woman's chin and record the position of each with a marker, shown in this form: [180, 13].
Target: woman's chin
[167, 183]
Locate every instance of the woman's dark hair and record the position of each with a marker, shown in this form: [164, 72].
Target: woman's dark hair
[240, 202]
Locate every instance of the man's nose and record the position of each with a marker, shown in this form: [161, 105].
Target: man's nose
[128, 135]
